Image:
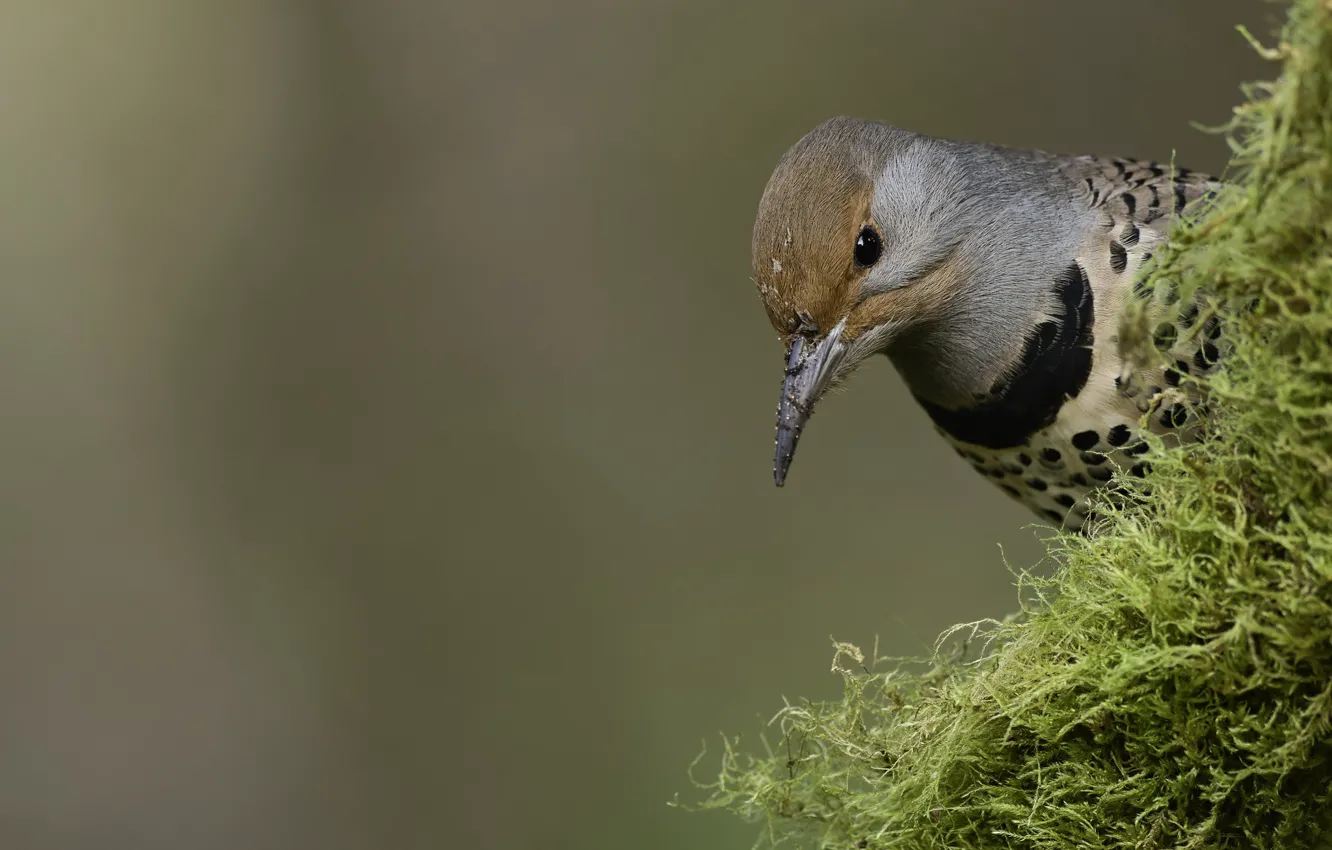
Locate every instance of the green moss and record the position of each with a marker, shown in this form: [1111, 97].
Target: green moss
[1171, 686]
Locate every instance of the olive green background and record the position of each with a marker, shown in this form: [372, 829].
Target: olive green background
[388, 412]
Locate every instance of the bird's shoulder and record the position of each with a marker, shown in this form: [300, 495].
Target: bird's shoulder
[1144, 192]
[1134, 203]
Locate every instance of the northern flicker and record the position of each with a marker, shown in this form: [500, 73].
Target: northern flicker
[993, 279]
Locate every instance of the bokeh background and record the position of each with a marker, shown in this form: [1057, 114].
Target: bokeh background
[388, 413]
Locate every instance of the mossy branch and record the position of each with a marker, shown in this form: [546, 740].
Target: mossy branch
[1171, 686]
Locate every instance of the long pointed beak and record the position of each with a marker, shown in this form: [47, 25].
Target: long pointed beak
[810, 367]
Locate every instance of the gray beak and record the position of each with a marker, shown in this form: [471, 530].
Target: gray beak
[810, 367]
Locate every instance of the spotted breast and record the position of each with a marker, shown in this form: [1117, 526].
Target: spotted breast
[1071, 413]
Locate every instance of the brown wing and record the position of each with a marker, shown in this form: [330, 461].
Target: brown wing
[1140, 201]
[1140, 191]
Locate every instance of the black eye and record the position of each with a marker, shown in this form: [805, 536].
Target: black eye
[868, 248]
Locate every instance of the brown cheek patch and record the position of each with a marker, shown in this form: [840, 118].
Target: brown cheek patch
[919, 301]
[806, 230]
[830, 288]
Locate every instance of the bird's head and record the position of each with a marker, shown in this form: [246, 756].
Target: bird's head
[855, 247]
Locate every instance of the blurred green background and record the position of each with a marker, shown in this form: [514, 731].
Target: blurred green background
[389, 413]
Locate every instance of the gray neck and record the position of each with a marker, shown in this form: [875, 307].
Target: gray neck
[1015, 245]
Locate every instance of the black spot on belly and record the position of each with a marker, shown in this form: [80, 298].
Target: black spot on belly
[1065, 500]
[1036, 484]
[1024, 459]
[1092, 458]
[1055, 515]
[1188, 316]
[1055, 365]
[1174, 416]
[1130, 236]
[1117, 436]
[1051, 455]
[1011, 490]
[1100, 473]
[1118, 258]
[1086, 440]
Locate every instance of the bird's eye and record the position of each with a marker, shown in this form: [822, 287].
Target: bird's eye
[868, 248]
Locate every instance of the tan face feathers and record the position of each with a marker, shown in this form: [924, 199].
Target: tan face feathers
[854, 226]
[815, 204]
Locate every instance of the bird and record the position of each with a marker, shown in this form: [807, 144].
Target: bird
[993, 278]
